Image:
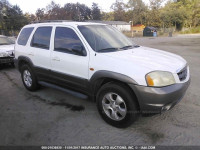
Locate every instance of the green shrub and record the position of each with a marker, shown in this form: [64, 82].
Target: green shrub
[191, 30]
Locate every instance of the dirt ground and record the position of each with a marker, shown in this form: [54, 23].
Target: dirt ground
[52, 117]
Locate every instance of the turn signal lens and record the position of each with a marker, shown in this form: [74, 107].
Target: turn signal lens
[149, 80]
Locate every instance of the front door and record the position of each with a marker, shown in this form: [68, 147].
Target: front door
[67, 66]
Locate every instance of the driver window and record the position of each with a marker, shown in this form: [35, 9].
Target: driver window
[65, 39]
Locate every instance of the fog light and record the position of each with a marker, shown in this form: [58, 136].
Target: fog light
[165, 108]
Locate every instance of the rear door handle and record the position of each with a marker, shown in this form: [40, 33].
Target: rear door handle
[56, 59]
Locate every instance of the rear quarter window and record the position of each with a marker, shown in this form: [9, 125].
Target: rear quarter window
[24, 36]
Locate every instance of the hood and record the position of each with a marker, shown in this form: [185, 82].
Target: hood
[150, 59]
[6, 48]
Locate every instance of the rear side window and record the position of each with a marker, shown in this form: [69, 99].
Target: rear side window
[41, 37]
[24, 36]
[65, 39]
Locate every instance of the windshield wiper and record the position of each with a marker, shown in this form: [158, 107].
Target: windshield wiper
[108, 49]
[136, 46]
[127, 47]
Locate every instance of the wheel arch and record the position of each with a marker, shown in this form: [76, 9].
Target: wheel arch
[101, 78]
[24, 60]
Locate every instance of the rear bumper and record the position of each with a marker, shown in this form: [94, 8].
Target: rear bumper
[5, 60]
[157, 100]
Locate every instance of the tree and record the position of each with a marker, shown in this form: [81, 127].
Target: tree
[95, 12]
[155, 4]
[17, 18]
[40, 14]
[178, 13]
[30, 17]
[71, 11]
[153, 14]
[119, 10]
[108, 16]
[138, 11]
[54, 12]
[77, 12]
[194, 8]
[85, 12]
[174, 14]
[11, 17]
[1, 14]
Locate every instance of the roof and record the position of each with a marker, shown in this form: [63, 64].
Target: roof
[75, 23]
[61, 22]
[110, 22]
[48, 21]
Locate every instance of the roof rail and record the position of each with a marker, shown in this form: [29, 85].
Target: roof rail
[46, 21]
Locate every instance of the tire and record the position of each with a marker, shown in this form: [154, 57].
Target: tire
[117, 105]
[28, 78]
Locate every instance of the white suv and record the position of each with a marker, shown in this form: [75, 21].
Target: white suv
[124, 79]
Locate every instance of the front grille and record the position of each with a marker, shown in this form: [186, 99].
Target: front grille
[182, 74]
[6, 60]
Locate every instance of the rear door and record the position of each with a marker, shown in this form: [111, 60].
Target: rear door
[40, 50]
[68, 67]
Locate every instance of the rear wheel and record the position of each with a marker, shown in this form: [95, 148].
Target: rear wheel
[117, 105]
[29, 78]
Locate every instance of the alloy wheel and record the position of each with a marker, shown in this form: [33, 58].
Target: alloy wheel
[114, 106]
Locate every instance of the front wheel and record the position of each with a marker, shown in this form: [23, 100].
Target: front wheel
[117, 105]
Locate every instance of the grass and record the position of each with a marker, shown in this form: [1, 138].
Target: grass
[134, 34]
[191, 30]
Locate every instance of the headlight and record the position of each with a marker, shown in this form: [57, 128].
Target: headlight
[7, 54]
[10, 53]
[3, 55]
[160, 78]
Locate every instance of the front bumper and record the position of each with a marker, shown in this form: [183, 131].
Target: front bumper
[6, 60]
[156, 100]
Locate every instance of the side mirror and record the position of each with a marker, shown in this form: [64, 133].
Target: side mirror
[78, 50]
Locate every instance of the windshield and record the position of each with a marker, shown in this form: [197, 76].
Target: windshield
[5, 41]
[12, 39]
[105, 38]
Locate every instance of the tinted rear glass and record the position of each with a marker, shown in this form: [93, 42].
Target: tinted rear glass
[24, 36]
[41, 38]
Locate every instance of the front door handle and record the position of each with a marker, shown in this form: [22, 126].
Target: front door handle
[31, 54]
[56, 59]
